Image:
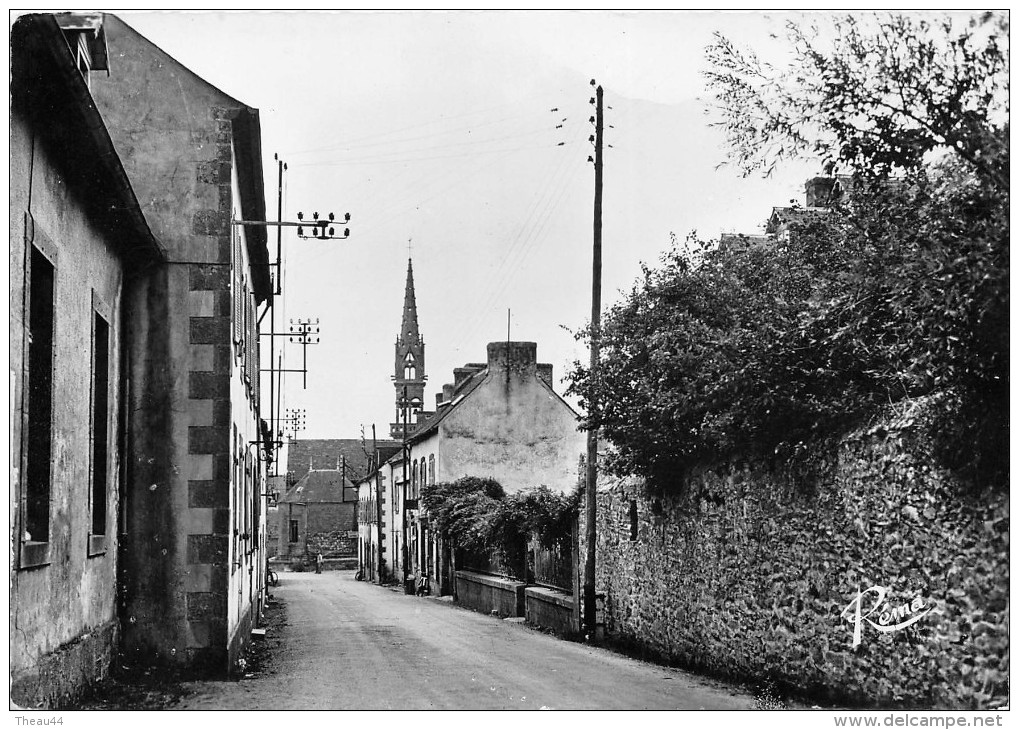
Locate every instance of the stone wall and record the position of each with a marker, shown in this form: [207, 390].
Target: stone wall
[746, 571]
[333, 544]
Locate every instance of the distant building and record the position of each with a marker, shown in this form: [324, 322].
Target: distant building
[351, 455]
[318, 515]
[314, 512]
[821, 195]
[276, 485]
[374, 518]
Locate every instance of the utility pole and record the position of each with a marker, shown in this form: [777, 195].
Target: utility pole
[378, 503]
[320, 228]
[304, 332]
[273, 414]
[405, 406]
[591, 488]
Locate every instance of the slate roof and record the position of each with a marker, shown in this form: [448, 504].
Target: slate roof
[467, 387]
[306, 454]
[319, 485]
[782, 217]
[45, 78]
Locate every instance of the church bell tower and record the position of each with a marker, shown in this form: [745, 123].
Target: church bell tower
[409, 366]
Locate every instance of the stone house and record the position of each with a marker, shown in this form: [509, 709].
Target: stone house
[318, 515]
[303, 455]
[501, 419]
[124, 186]
[275, 488]
[192, 561]
[374, 549]
[77, 238]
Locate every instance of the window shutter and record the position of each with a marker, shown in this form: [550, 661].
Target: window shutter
[245, 339]
[256, 359]
[238, 279]
[251, 344]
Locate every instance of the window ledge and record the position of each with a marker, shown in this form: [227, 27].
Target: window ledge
[34, 555]
[96, 545]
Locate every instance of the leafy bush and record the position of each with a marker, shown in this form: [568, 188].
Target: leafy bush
[899, 291]
[465, 510]
[478, 515]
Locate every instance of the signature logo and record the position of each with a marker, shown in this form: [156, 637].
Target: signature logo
[886, 617]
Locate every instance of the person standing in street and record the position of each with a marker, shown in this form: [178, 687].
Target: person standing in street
[318, 562]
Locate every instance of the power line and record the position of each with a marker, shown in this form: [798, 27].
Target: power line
[524, 241]
[505, 272]
[352, 141]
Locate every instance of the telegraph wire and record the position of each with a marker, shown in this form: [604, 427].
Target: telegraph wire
[377, 135]
[524, 241]
[538, 207]
[523, 253]
[411, 155]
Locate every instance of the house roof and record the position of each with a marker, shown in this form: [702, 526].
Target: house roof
[788, 215]
[46, 85]
[304, 455]
[468, 386]
[248, 150]
[319, 485]
[744, 240]
[245, 130]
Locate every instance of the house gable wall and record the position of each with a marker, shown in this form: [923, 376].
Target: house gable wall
[514, 429]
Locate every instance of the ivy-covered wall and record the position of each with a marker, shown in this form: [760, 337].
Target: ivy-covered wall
[745, 570]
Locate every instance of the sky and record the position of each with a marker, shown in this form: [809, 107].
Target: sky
[461, 139]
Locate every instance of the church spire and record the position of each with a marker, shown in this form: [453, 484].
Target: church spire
[409, 328]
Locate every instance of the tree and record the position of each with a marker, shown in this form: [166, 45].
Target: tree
[875, 94]
[900, 291]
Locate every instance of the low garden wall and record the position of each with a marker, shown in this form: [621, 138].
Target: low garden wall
[864, 574]
[490, 594]
[551, 609]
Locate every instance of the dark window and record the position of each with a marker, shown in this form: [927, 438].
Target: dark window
[40, 399]
[633, 519]
[100, 422]
[293, 530]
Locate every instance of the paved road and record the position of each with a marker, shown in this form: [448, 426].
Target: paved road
[353, 645]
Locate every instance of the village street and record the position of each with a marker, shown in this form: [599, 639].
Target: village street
[353, 645]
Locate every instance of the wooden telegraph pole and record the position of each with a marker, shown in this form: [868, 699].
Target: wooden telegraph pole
[591, 483]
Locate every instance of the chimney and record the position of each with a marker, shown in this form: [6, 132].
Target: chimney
[438, 400]
[819, 192]
[460, 375]
[513, 357]
[545, 373]
[447, 392]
